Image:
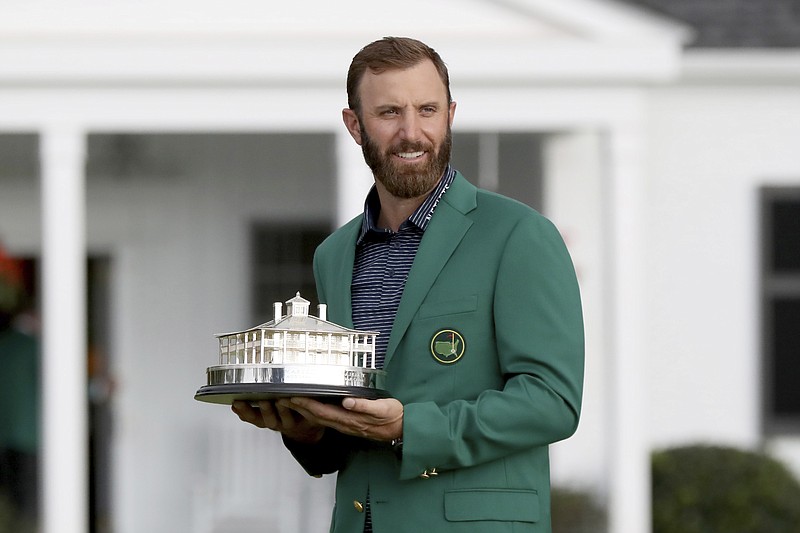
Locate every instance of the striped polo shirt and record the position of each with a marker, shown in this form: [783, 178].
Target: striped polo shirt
[382, 263]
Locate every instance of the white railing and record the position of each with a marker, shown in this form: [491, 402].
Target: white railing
[251, 482]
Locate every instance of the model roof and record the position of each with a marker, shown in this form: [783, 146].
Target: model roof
[298, 319]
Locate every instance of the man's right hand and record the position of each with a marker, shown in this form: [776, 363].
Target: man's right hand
[270, 415]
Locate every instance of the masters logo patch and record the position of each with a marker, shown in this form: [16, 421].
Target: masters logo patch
[447, 346]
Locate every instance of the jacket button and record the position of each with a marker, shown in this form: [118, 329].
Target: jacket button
[358, 505]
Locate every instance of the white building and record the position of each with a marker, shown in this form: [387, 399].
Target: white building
[207, 124]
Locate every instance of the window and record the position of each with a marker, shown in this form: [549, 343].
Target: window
[510, 163]
[780, 296]
[282, 264]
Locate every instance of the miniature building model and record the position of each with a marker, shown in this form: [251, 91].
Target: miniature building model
[294, 354]
[298, 338]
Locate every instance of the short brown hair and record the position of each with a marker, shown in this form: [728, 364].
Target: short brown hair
[391, 53]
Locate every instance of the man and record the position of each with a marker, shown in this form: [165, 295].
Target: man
[19, 402]
[481, 336]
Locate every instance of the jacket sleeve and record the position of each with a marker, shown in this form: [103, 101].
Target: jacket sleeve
[540, 349]
[325, 457]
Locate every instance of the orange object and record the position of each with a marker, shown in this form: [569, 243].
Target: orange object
[10, 269]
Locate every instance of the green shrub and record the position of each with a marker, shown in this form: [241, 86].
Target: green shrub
[576, 511]
[714, 489]
[6, 515]
[10, 521]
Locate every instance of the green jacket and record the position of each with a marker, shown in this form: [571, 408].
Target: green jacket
[486, 354]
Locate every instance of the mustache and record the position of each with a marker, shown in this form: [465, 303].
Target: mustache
[408, 146]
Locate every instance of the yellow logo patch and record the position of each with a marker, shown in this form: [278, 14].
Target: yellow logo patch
[447, 346]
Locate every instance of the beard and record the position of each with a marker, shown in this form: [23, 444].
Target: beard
[407, 181]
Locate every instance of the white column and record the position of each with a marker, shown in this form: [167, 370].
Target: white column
[354, 178]
[64, 478]
[573, 190]
[629, 460]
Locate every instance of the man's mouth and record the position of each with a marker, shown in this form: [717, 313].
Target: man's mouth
[409, 155]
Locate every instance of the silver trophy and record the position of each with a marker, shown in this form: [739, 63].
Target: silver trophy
[293, 355]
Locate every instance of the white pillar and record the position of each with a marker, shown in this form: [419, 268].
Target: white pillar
[574, 185]
[629, 461]
[354, 178]
[64, 506]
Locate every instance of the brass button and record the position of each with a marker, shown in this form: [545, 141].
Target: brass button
[424, 475]
[358, 505]
[432, 472]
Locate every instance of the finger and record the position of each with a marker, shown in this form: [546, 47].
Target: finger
[247, 413]
[295, 414]
[243, 409]
[373, 408]
[349, 403]
[329, 415]
[269, 415]
[285, 416]
[362, 405]
[308, 408]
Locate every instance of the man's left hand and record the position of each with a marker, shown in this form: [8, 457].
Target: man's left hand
[379, 420]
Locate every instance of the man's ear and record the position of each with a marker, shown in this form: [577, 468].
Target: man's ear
[352, 124]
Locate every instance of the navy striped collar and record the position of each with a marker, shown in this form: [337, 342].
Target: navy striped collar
[419, 218]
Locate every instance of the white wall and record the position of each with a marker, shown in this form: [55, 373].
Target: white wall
[180, 263]
[711, 147]
[179, 251]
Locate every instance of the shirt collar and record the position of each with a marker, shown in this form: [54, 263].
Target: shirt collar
[421, 217]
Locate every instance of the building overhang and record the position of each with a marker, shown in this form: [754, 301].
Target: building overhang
[311, 42]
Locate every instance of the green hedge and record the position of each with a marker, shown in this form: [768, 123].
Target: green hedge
[576, 511]
[715, 489]
[10, 522]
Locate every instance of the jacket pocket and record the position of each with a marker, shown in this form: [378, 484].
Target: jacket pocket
[491, 504]
[465, 304]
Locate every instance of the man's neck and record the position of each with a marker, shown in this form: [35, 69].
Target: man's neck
[394, 210]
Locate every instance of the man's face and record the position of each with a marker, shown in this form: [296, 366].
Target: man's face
[404, 128]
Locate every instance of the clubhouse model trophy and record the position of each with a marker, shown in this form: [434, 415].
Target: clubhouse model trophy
[293, 355]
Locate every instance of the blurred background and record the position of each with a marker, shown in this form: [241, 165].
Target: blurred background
[166, 170]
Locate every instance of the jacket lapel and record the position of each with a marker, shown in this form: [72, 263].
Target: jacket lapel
[339, 295]
[442, 236]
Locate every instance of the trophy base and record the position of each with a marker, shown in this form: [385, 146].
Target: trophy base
[254, 392]
[255, 382]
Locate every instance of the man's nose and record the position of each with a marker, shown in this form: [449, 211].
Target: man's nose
[410, 129]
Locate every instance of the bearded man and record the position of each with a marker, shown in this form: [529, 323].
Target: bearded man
[480, 322]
